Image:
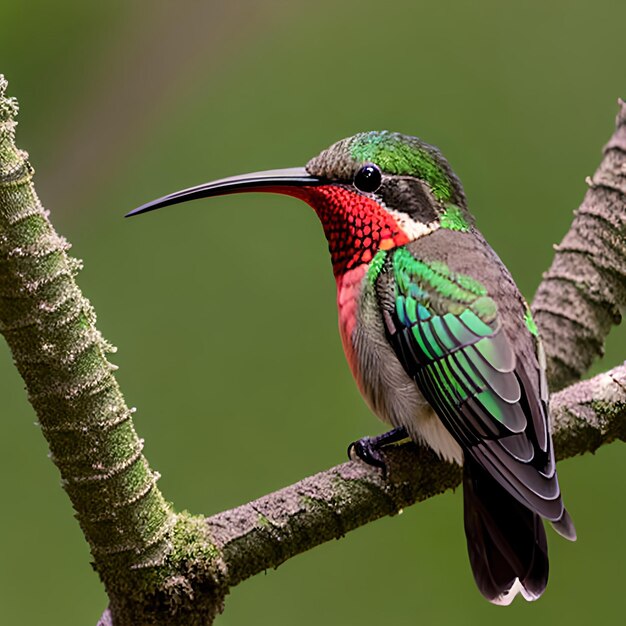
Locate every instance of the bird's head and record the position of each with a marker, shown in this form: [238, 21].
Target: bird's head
[373, 191]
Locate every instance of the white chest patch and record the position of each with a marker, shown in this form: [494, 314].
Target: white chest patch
[414, 230]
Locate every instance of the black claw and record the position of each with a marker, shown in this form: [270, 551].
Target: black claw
[367, 451]
[368, 448]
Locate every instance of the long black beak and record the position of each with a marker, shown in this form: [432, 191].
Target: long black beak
[278, 181]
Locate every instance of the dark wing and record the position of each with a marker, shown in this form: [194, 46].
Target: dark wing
[445, 330]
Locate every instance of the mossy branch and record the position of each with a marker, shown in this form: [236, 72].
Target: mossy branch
[583, 293]
[264, 533]
[139, 546]
[160, 567]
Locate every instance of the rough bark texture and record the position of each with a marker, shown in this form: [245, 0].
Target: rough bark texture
[582, 293]
[264, 533]
[50, 328]
[140, 547]
[160, 567]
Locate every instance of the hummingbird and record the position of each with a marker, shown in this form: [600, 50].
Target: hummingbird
[441, 342]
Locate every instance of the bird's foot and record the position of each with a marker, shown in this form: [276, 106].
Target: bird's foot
[368, 448]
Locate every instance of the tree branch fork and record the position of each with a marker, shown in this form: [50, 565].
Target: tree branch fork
[164, 567]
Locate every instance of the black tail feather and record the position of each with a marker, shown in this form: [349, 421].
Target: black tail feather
[565, 526]
[505, 540]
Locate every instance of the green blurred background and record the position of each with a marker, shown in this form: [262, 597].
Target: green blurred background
[224, 310]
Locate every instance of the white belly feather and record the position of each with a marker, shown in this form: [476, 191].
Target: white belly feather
[429, 429]
[388, 390]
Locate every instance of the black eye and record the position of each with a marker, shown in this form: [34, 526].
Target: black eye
[368, 178]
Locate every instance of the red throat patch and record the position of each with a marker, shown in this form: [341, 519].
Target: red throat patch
[356, 226]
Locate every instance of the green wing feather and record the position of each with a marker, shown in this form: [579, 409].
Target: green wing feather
[446, 332]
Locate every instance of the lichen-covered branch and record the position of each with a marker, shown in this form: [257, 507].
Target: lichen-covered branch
[160, 567]
[582, 293]
[264, 533]
[50, 328]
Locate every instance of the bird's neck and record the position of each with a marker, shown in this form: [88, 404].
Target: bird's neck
[356, 226]
[349, 286]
